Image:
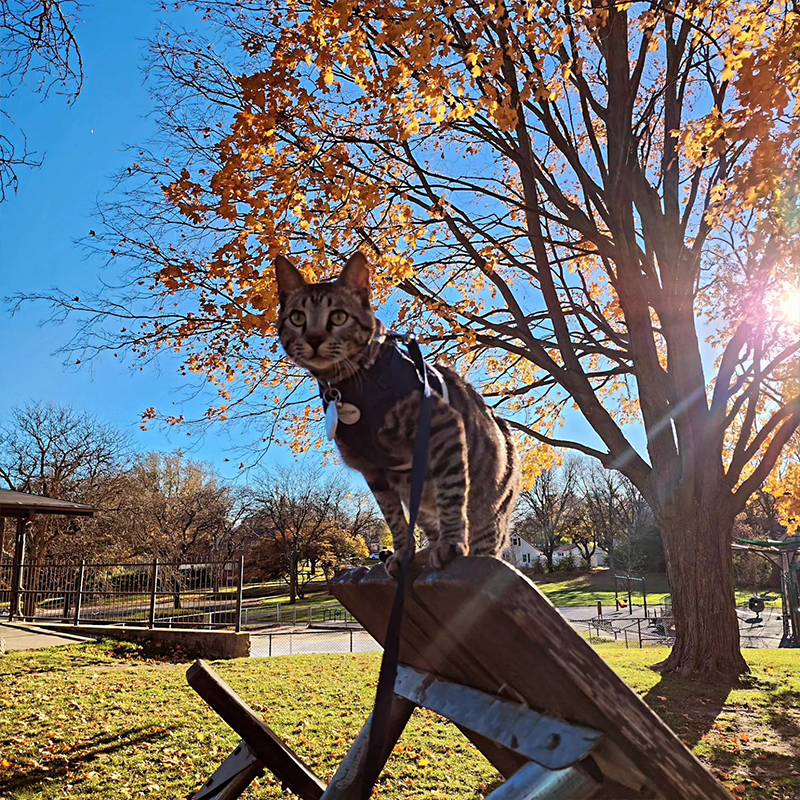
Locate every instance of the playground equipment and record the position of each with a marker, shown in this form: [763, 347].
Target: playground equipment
[757, 603]
[480, 645]
[625, 581]
[786, 555]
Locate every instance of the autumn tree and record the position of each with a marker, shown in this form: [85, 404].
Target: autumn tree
[40, 53]
[176, 507]
[593, 208]
[300, 516]
[177, 510]
[581, 534]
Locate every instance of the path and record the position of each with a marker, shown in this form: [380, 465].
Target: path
[332, 638]
[28, 637]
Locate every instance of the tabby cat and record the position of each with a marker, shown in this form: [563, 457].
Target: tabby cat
[472, 480]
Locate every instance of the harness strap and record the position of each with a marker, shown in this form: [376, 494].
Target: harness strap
[378, 734]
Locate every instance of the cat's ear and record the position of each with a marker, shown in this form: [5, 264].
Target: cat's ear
[355, 273]
[288, 276]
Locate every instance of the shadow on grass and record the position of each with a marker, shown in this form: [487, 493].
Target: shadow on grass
[66, 763]
[784, 718]
[689, 707]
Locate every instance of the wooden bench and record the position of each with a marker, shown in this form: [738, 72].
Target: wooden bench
[481, 646]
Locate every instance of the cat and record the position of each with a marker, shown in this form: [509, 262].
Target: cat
[473, 475]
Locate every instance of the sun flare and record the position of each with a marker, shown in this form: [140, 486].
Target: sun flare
[789, 305]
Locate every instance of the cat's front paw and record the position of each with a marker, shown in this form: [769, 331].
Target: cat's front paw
[394, 561]
[442, 553]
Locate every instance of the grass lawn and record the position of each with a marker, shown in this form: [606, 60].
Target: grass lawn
[586, 588]
[101, 721]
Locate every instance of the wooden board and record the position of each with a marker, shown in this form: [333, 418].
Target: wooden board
[270, 749]
[482, 623]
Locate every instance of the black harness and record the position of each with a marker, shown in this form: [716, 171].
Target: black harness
[372, 392]
[394, 374]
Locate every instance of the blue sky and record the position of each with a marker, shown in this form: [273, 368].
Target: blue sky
[84, 145]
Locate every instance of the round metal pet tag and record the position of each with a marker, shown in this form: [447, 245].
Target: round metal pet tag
[348, 413]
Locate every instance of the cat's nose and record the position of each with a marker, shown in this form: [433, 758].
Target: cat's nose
[314, 342]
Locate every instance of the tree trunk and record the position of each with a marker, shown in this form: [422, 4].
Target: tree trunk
[292, 581]
[700, 571]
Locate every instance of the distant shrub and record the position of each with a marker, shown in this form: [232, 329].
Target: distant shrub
[751, 571]
[537, 566]
[566, 564]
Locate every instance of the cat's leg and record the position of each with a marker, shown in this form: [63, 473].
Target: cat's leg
[450, 475]
[391, 507]
[489, 522]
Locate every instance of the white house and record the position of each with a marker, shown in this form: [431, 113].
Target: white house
[521, 553]
[598, 559]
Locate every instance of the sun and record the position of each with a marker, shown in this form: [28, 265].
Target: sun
[789, 305]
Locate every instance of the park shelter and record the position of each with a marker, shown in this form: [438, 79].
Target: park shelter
[785, 554]
[24, 508]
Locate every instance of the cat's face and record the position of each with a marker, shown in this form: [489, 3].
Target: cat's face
[323, 326]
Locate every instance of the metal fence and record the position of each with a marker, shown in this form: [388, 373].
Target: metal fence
[154, 594]
[259, 615]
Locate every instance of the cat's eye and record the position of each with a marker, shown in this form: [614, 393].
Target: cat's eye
[338, 317]
[297, 318]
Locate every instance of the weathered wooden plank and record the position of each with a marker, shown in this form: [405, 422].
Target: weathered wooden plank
[481, 623]
[233, 776]
[278, 757]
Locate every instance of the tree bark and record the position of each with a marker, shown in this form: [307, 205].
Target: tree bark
[292, 580]
[700, 571]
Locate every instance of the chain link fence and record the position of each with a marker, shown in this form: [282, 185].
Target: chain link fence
[257, 615]
[305, 641]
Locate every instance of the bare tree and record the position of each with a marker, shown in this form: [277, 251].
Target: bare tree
[549, 507]
[39, 48]
[57, 451]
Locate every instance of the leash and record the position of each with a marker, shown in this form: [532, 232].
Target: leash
[379, 728]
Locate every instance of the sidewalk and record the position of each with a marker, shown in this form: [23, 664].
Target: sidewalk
[28, 637]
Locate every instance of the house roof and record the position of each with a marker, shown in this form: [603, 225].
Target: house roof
[526, 543]
[21, 504]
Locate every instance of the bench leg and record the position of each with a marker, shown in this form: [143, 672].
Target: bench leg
[265, 745]
[346, 783]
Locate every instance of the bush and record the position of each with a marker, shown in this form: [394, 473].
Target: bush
[565, 564]
[751, 571]
[537, 566]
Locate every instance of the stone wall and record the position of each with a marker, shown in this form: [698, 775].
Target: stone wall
[196, 643]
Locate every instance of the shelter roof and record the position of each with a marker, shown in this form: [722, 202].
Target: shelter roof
[773, 545]
[21, 504]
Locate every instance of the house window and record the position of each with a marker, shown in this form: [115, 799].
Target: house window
[525, 557]
[515, 541]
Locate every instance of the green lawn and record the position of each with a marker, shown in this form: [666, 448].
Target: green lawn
[586, 588]
[562, 588]
[83, 722]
